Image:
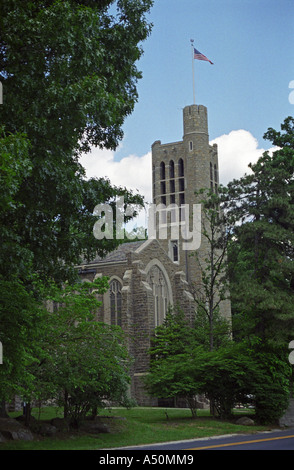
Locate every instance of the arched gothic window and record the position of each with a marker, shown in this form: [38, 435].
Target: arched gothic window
[162, 171]
[171, 169]
[158, 284]
[115, 302]
[181, 167]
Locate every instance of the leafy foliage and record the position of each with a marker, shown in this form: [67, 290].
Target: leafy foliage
[256, 214]
[69, 76]
[271, 384]
[15, 167]
[81, 363]
[21, 323]
[233, 374]
[261, 251]
[69, 79]
[172, 372]
[69, 70]
[212, 287]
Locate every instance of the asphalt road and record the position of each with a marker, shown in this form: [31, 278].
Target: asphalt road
[273, 440]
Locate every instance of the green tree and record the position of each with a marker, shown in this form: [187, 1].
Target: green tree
[21, 324]
[271, 383]
[172, 371]
[233, 374]
[258, 219]
[212, 287]
[83, 363]
[261, 266]
[261, 251]
[15, 167]
[226, 374]
[172, 337]
[69, 78]
[183, 367]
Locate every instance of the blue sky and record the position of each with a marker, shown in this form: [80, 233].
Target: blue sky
[251, 44]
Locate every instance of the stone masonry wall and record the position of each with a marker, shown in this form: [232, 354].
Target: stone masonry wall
[178, 170]
[200, 162]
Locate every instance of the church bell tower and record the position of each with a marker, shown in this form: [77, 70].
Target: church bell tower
[178, 170]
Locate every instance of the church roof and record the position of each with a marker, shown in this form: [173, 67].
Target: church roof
[119, 254]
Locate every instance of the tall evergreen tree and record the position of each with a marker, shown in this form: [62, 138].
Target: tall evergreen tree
[261, 251]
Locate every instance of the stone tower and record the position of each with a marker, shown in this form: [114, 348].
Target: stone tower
[179, 169]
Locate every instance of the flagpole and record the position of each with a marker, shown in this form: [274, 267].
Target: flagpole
[193, 68]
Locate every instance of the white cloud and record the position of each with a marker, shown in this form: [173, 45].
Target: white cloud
[235, 151]
[132, 172]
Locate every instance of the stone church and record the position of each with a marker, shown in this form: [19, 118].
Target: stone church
[147, 277]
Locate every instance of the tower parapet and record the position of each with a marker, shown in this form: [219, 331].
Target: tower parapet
[195, 120]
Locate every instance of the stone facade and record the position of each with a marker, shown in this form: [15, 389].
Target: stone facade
[180, 169]
[146, 277]
[149, 283]
[287, 419]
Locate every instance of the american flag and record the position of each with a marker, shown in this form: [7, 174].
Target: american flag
[199, 56]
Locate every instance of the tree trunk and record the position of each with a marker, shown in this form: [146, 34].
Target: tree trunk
[65, 408]
[27, 414]
[3, 413]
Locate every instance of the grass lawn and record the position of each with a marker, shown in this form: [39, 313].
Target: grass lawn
[136, 426]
